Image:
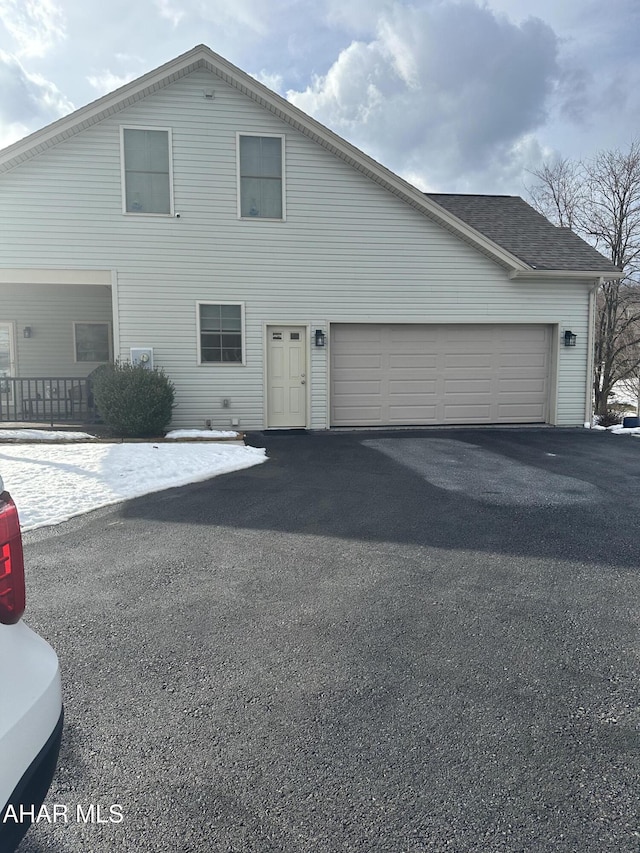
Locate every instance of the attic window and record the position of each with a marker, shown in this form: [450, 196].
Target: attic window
[146, 170]
[260, 176]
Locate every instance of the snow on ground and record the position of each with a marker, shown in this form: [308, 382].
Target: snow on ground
[201, 433]
[53, 435]
[618, 429]
[52, 483]
[44, 435]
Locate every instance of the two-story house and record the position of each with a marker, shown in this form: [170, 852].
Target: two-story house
[281, 277]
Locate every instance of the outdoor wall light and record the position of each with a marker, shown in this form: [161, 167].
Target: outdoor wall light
[569, 339]
[27, 331]
[319, 338]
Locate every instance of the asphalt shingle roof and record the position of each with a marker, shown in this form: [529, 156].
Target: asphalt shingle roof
[513, 224]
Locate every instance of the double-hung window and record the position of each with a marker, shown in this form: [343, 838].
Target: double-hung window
[220, 333]
[146, 170]
[92, 342]
[260, 176]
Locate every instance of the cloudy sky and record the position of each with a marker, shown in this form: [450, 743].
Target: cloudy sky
[454, 95]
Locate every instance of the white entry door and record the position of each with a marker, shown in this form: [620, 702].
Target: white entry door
[286, 376]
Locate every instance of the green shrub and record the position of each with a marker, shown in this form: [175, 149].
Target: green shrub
[133, 401]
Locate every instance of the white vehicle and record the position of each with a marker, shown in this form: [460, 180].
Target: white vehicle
[30, 695]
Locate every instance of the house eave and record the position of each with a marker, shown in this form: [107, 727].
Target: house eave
[588, 276]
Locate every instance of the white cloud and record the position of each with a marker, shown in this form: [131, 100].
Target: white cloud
[107, 81]
[452, 94]
[10, 133]
[35, 25]
[272, 81]
[172, 12]
[27, 101]
[442, 90]
[357, 16]
[246, 16]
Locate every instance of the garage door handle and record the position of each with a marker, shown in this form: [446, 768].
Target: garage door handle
[302, 381]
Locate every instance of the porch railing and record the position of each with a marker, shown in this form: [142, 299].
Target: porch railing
[50, 400]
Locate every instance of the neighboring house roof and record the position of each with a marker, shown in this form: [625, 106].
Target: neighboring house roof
[515, 225]
[487, 241]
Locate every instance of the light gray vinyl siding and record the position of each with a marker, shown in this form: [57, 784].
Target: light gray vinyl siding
[349, 251]
[50, 311]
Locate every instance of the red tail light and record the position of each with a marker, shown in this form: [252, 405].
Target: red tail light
[12, 595]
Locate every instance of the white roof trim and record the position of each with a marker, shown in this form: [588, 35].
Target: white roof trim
[203, 57]
[586, 275]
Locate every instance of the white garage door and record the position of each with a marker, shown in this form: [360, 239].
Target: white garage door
[423, 374]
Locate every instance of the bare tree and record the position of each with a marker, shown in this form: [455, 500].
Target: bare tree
[600, 200]
[559, 194]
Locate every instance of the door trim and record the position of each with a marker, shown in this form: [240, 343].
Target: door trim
[267, 324]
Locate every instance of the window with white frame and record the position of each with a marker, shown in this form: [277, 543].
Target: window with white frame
[260, 176]
[220, 330]
[6, 362]
[92, 342]
[146, 170]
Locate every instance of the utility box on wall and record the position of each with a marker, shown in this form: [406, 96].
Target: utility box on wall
[143, 356]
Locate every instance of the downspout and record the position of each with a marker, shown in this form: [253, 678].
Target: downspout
[591, 344]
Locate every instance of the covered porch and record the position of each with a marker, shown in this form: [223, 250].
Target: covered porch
[48, 401]
[56, 328]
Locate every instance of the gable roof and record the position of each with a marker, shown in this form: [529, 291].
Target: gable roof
[202, 57]
[514, 224]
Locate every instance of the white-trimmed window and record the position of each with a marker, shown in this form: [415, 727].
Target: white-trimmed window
[220, 332]
[147, 183]
[7, 361]
[261, 176]
[92, 342]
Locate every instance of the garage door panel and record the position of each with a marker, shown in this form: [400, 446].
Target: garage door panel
[400, 401]
[467, 386]
[414, 414]
[514, 414]
[417, 361]
[438, 374]
[418, 349]
[413, 375]
[468, 413]
[468, 361]
[357, 387]
[362, 415]
[469, 375]
[522, 386]
[519, 360]
[355, 361]
[408, 386]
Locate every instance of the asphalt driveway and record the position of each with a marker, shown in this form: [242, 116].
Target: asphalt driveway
[380, 642]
